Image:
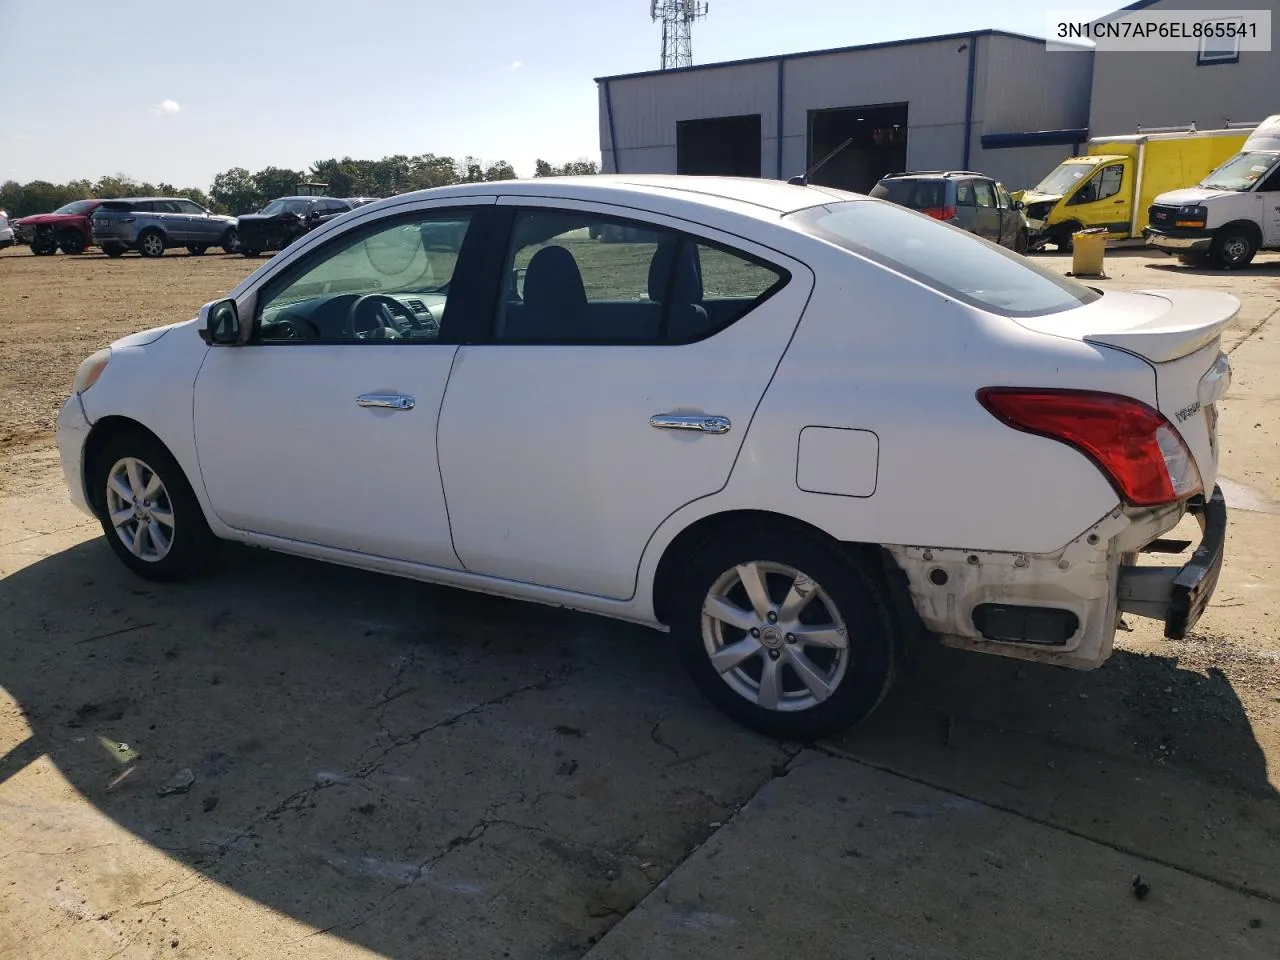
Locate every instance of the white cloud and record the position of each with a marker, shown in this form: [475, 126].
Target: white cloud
[517, 65]
[167, 106]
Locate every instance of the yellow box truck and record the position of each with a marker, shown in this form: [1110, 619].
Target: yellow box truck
[1113, 183]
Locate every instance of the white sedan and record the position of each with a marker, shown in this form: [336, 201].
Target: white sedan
[792, 425]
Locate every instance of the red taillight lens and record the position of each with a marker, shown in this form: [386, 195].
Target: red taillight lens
[1133, 444]
[940, 213]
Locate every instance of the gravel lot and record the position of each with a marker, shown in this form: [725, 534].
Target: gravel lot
[380, 768]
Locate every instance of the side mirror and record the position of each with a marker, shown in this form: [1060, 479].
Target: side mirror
[220, 323]
[1018, 205]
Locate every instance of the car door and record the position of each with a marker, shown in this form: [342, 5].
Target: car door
[1101, 202]
[321, 429]
[1269, 197]
[613, 384]
[170, 218]
[988, 214]
[201, 228]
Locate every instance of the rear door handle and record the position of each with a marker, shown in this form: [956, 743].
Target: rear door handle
[387, 401]
[699, 422]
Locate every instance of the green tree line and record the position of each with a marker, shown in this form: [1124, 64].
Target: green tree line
[238, 191]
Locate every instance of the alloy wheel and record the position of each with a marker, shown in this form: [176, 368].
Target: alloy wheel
[152, 245]
[139, 509]
[775, 636]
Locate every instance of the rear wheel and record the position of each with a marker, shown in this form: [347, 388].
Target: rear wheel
[1233, 248]
[151, 244]
[1020, 242]
[148, 512]
[71, 241]
[786, 632]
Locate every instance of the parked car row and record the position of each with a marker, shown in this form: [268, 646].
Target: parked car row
[151, 225]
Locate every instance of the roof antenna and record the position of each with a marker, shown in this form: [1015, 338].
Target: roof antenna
[803, 179]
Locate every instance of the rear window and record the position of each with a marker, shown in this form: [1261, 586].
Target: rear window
[952, 261]
[916, 194]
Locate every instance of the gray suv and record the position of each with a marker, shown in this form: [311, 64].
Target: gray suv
[152, 225]
[971, 201]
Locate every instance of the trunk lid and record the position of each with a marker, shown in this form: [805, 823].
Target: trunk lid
[1179, 334]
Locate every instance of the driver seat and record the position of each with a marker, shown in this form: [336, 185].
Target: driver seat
[555, 299]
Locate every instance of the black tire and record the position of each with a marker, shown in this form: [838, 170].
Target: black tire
[44, 248]
[197, 251]
[71, 242]
[192, 546]
[1233, 248]
[853, 586]
[114, 251]
[231, 241]
[151, 243]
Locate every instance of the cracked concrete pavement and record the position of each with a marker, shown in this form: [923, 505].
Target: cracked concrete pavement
[382, 768]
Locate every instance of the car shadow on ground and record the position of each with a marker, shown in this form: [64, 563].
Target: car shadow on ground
[403, 765]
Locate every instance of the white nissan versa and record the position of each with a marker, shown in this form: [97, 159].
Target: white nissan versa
[788, 423]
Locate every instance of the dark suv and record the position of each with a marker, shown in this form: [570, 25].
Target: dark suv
[284, 220]
[971, 201]
[152, 225]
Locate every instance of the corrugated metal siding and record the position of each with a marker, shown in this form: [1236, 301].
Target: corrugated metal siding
[1024, 87]
[1170, 89]
[647, 109]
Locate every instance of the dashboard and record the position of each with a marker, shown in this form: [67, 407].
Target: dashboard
[407, 315]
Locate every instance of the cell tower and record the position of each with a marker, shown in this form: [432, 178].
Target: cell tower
[677, 18]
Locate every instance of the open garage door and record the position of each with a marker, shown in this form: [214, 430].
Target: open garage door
[879, 145]
[719, 147]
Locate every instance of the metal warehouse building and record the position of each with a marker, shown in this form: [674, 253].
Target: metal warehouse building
[991, 101]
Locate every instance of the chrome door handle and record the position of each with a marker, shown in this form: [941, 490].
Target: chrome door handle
[704, 424]
[388, 401]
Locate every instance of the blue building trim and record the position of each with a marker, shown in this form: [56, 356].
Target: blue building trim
[968, 98]
[1035, 138]
[782, 79]
[613, 139]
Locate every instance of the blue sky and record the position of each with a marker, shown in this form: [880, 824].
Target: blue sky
[177, 91]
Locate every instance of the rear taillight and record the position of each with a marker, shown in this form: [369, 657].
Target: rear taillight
[940, 213]
[1134, 445]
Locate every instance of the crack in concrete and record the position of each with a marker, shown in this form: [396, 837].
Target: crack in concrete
[1242, 889]
[1249, 336]
[366, 768]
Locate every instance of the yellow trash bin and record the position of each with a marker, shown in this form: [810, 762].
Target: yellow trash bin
[1087, 248]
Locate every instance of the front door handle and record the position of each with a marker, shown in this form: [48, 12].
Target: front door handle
[699, 422]
[387, 401]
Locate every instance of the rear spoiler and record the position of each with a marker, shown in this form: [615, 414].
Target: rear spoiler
[1195, 318]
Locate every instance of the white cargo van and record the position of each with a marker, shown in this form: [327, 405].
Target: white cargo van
[1231, 214]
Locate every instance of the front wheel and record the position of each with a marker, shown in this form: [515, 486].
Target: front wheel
[71, 241]
[148, 512]
[1233, 248]
[787, 633]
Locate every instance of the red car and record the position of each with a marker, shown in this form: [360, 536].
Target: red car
[66, 229]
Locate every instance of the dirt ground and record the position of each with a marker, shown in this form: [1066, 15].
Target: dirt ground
[288, 759]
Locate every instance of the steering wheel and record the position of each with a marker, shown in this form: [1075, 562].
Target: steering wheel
[373, 316]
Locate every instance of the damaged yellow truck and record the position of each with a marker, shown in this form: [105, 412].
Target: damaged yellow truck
[1113, 183]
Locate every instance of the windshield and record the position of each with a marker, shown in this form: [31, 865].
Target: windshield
[951, 261]
[78, 206]
[284, 206]
[1064, 178]
[1240, 173]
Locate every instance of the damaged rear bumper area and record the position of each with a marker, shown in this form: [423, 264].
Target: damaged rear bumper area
[1179, 595]
[1064, 607]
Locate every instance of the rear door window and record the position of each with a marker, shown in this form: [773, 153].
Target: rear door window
[947, 259]
[986, 196]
